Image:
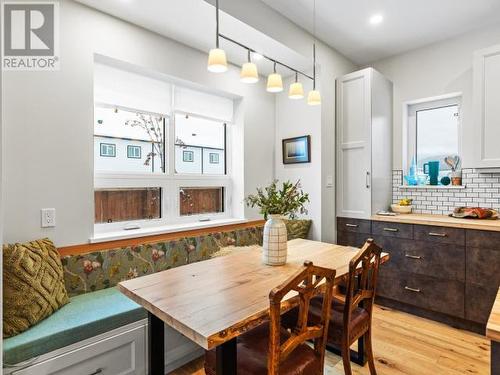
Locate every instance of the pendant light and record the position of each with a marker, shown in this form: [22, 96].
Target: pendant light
[314, 97]
[296, 90]
[249, 72]
[217, 62]
[274, 81]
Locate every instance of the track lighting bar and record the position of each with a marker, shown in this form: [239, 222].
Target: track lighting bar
[266, 57]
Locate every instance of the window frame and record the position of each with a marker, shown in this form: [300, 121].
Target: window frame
[169, 182]
[190, 159]
[134, 147]
[113, 147]
[410, 110]
[213, 160]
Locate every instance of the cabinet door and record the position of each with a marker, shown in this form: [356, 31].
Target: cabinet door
[354, 145]
[486, 108]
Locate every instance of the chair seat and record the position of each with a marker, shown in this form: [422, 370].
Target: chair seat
[252, 352]
[359, 324]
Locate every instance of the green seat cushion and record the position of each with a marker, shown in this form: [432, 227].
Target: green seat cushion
[85, 316]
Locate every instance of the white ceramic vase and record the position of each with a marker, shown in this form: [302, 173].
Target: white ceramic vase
[275, 241]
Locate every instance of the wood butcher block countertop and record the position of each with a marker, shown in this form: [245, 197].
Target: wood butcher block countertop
[440, 220]
[493, 327]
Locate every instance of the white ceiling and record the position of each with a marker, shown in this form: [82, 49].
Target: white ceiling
[192, 22]
[343, 24]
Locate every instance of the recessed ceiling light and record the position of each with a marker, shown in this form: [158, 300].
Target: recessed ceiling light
[376, 19]
[257, 56]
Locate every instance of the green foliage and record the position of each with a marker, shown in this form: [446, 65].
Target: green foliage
[286, 201]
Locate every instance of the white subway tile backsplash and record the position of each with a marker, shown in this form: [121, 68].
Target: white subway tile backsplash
[481, 190]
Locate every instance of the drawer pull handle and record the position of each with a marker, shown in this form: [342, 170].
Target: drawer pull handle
[437, 234]
[96, 372]
[413, 256]
[391, 229]
[351, 225]
[412, 289]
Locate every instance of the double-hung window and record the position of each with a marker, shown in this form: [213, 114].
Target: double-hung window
[171, 162]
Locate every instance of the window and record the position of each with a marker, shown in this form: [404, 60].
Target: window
[205, 139]
[433, 132]
[108, 150]
[188, 156]
[201, 200]
[169, 148]
[214, 158]
[140, 203]
[130, 130]
[134, 152]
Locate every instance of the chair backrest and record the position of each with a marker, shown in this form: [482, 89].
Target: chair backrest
[362, 280]
[308, 282]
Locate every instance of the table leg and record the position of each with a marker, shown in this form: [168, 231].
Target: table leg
[495, 358]
[156, 345]
[226, 360]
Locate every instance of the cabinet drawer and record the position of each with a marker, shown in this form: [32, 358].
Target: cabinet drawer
[483, 266]
[121, 354]
[444, 296]
[483, 239]
[439, 234]
[479, 302]
[443, 261]
[354, 225]
[392, 229]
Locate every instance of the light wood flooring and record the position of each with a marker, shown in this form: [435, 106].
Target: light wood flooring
[406, 344]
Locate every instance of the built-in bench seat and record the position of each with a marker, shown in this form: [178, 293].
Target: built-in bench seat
[87, 315]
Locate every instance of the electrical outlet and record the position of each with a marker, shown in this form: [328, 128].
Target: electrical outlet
[48, 217]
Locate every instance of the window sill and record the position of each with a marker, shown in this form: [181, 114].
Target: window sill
[437, 187]
[142, 232]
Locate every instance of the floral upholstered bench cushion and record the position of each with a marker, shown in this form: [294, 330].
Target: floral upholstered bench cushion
[103, 269]
[298, 228]
[85, 316]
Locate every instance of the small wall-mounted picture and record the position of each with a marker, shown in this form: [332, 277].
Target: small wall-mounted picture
[297, 150]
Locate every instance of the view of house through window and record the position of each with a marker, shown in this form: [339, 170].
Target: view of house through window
[159, 152]
[199, 145]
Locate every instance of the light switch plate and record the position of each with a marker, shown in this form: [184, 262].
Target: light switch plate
[48, 217]
[329, 181]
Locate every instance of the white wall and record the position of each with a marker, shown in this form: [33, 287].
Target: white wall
[43, 108]
[438, 69]
[295, 118]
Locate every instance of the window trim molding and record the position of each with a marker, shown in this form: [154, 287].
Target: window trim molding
[113, 147]
[131, 147]
[405, 136]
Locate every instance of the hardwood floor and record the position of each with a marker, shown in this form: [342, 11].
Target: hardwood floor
[405, 344]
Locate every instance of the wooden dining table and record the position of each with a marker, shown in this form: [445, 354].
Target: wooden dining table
[214, 301]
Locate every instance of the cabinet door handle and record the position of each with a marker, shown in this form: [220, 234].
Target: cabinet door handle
[391, 229]
[96, 372]
[412, 289]
[367, 179]
[434, 234]
[351, 225]
[413, 256]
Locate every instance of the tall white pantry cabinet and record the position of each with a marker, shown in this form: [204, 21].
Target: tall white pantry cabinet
[364, 144]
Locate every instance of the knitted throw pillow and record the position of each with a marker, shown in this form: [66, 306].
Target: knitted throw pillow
[33, 284]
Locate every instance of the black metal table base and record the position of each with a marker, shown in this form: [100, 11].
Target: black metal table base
[156, 345]
[226, 358]
[357, 357]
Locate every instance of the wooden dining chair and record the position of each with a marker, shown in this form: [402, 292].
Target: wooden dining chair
[351, 313]
[272, 349]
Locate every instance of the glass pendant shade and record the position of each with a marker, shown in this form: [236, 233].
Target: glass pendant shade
[217, 62]
[249, 73]
[296, 91]
[314, 97]
[274, 83]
